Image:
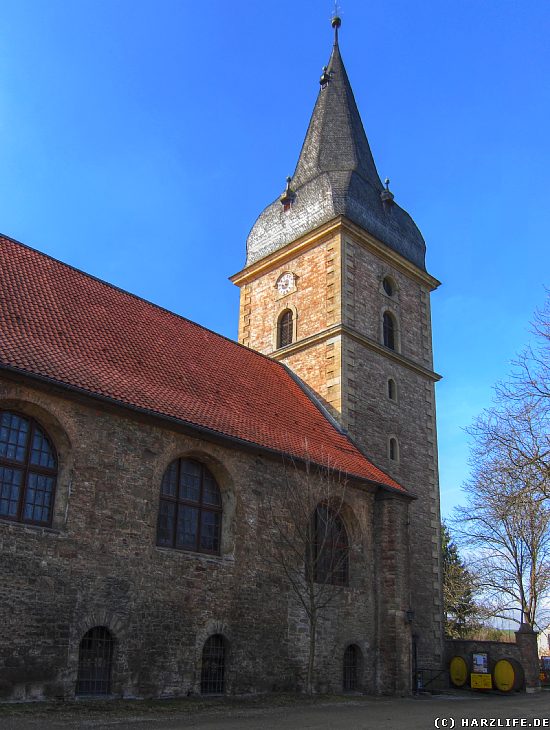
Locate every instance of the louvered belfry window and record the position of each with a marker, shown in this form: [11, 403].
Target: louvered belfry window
[190, 512]
[213, 666]
[28, 470]
[95, 662]
[285, 333]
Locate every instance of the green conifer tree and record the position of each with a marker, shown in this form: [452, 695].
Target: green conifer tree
[460, 609]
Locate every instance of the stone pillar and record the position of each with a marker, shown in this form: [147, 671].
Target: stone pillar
[526, 640]
[393, 628]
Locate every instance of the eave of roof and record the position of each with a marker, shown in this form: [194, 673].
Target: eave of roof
[67, 327]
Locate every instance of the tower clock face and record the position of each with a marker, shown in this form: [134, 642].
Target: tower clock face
[285, 283]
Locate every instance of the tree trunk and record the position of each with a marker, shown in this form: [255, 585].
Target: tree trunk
[311, 659]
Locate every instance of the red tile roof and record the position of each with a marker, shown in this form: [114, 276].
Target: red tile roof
[59, 323]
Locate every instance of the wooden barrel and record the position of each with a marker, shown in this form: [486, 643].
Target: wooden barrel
[507, 675]
[458, 670]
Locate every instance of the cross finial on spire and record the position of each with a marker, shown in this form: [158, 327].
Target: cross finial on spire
[386, 195]
[336, 22]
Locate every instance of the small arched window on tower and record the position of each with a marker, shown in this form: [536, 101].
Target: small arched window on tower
[392, 390]
[393, 450]
[388, 286]
[389, 331]
[285, 328]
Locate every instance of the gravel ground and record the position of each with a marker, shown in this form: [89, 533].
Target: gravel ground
[287, 713]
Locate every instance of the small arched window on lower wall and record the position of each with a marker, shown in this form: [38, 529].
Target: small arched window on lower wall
[95, 662]
[213, 666]
[393, 450]
[352, 668]
[392, 390]
[285, 328]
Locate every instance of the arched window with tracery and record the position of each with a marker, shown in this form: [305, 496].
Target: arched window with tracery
[28, 470]
[352, 666]
[95, 662]
[190, 511]
[213, 666]
[285, 328]
[389, 331]
[330, 548]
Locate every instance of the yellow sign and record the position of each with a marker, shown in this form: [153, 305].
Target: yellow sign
[481, 681]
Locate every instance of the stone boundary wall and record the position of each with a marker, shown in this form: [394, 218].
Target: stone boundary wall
[523, 650]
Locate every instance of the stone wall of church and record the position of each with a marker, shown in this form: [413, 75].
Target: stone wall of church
[99, 565]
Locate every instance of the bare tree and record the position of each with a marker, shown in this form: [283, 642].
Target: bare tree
[506, 529]
[515, 431]
[310, 544]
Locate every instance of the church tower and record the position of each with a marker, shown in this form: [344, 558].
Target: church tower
[335, 287]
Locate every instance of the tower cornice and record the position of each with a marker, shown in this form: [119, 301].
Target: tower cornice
[339, 330]
[338, 225]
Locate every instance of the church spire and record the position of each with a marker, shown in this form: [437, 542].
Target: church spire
[336, 176]
[335, 139]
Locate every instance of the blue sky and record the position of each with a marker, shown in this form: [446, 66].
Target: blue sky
[139, 141]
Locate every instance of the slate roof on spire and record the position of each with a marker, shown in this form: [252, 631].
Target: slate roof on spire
[336, 175]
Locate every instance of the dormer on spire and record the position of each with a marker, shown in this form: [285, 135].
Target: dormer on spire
[325, 77]
[287, 198]
[386, 196]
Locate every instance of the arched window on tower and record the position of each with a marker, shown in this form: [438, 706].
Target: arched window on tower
[388, 286]
[392, 389]
[285, 328]
[95, 662]
[28, 470]
[329, 549]
[389, 327]
[393, 449]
